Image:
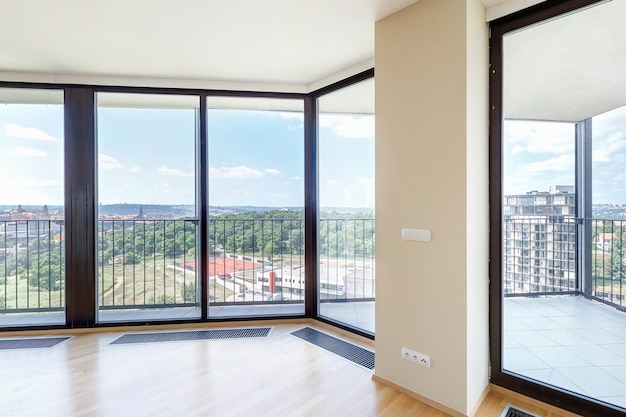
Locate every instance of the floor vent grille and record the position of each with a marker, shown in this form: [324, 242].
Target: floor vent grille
[346, 350]
[31, 343]
[510, 411]
[213, 334]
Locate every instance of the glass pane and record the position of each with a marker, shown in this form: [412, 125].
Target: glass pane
[32, 219]
[346, 201]
[147, 210]
[256, 207]
[563, 256]
[608, 226]
[539, 225]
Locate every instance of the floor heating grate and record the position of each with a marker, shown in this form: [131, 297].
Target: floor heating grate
[213, 334]
[349, 351]
[31, 343]
[510, 411]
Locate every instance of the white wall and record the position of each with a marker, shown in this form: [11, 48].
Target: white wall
[431, 173]
[477, 202]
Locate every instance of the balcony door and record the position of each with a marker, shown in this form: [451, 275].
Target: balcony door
[256, 263]
[562, 277]
[346, 269]
[147, 235]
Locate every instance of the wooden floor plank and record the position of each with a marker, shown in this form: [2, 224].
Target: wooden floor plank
[275, 376]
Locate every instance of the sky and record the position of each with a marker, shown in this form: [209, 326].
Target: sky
[148, 156]
[540, 155]
[256, 158]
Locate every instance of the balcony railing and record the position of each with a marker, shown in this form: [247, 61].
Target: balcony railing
[155, 263]
[32, 265]
[540, 257]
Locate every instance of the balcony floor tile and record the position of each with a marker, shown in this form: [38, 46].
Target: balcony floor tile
[585, 353]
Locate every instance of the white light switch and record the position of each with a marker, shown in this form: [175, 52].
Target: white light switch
[416, 234]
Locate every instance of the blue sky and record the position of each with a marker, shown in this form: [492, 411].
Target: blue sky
[257, 157]
[148, 156]
[31, 154]
[540, 155]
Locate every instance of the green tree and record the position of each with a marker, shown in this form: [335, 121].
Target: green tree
[618, 257]
[189, 292]
[47, 273]
[162, 299]
[131, 258]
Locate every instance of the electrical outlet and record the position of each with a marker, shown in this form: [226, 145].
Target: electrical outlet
[416, 357]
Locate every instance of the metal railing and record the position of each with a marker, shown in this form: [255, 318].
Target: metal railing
[144, 263]
[155, 263]
[32, 265]
[608, 260]
[540, 256]
[347, 267]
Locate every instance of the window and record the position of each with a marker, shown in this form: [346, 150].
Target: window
[32, 215]
[256, 206]
[147, 240]
[346, 289]
[562, 147]
[138, 204]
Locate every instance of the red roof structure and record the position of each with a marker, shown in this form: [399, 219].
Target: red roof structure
[222, 267]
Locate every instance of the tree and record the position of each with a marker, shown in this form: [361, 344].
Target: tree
[161, 299]
[189, 292]
[618, 257]
[46, 274]
[131, 258]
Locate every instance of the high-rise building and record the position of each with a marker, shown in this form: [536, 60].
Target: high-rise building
[539, 241]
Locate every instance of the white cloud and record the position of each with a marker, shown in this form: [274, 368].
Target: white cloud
[296, 178]
[561, 163]
[292, 115]
[607, 149]
[539, 137]
[331, 183]
[108, 162]
[23, 151]
[240, 172]
[18, 131]
[135, 169]
[174, 172]
[541, 175]
[349, 126]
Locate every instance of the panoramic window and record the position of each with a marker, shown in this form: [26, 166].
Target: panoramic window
[563, 224]
[32, 218]
[256, 207]
[147, 236]
[346, 290]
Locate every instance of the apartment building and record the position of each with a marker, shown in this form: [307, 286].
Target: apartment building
[539, 249]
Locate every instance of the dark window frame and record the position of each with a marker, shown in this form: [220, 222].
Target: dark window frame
[315, 96]
[526, 386]
[81, 190]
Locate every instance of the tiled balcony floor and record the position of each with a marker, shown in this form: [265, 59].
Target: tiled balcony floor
[569, 342]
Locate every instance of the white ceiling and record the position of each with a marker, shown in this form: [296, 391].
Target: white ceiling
[264, 45]
[567, 69]
[286, 43]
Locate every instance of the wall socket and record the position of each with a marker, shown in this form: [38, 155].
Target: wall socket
[416, 357]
